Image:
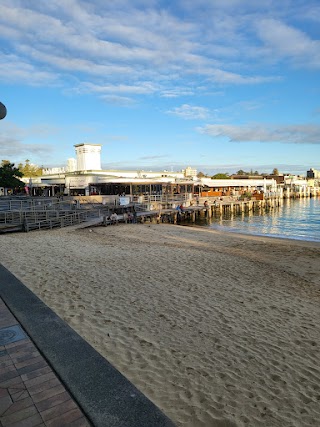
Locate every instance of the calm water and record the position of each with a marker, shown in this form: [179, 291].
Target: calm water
[296, 219]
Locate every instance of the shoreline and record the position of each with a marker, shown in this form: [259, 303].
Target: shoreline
[250, 223]
[278, 239]
[215, 328]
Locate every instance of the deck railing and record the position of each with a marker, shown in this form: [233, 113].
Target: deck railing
[58, 222]
[30, 220]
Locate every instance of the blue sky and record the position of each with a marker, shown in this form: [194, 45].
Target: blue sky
[219, 85]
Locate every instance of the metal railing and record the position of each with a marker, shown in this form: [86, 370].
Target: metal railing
[59, 222]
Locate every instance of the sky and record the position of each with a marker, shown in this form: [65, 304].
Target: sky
[218, 85]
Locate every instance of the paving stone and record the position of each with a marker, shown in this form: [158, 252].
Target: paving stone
[18, 406]
[17, 395]
[36, 373]
[52, 401]
[48, 393]
[38, 388]
[65, 419]
[9, 374]
[7, 319]
[81, 422]
[17, 344]
[23, 356]
[33, 421]
[19, 415]
[30, 361]
[40, 379]
[13, 382]
[33, 367]
[19, 347]
[58, 410]
[11, 334]
[3, 392]
[4, 370]
[5, 403]
[5, 361]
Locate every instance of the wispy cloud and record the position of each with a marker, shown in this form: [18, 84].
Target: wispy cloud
[227, 77]
[14, 69]
[13, 145]
[190, 112]
[176, 92]
[285, 41]
[291, 134]
[101, 42]
[123, 101]
[153, 157]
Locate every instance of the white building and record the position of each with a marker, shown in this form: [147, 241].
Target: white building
[85, 177]
[88, 157]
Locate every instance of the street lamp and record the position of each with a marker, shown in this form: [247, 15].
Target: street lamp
[3, 111]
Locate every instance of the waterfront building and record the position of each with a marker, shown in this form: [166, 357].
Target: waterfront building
[84, 176]
[313, 173]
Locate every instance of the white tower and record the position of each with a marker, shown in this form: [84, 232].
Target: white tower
[88, 157]
[71, 165]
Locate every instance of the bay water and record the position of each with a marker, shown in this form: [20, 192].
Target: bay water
[296, 219]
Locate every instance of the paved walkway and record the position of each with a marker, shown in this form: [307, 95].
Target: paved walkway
[30, 392]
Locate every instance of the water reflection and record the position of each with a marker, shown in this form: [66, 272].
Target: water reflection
[295, 219]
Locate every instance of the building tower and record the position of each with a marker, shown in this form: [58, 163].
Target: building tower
[88, 157]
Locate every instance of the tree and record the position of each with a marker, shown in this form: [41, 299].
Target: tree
[275, 171]
[221, 176]
[241, 172]
[9, 175]
[29, 170]
[201, 175]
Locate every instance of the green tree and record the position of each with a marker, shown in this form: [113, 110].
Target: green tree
[201, 175]
[9, 175]
[241, 172]
[221, 176]
[29, 170]
[275, 171]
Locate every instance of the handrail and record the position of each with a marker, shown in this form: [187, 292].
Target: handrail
[61, 221]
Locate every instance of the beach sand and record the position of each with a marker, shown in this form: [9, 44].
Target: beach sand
[217, 329]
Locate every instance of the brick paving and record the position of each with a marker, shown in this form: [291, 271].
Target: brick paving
[30, 392]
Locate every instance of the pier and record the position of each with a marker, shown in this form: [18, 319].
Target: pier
[29, 214]
[192, 213]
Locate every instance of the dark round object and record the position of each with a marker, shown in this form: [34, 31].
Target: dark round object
[3, 111]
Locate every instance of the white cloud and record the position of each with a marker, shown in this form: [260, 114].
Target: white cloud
[15, 70]
[285, 41]
[291, 134]
[227, 77]
[13, 145]
[116, 44]
[176, 92]
[111, 41]
[123, 101]
[190, 112]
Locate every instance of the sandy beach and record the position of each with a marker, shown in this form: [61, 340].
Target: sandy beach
[217, 329]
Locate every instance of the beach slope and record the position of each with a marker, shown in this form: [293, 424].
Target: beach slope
[217, 329]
